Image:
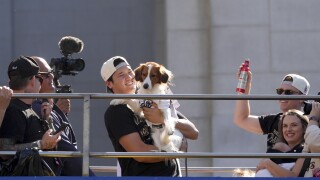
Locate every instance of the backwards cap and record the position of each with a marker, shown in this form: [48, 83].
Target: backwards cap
[298, 82]
[24, 67]
[111, 65]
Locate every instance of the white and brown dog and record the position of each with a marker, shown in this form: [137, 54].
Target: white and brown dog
[153, 78]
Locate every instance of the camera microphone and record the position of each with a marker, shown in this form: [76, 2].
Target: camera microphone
[70, 44]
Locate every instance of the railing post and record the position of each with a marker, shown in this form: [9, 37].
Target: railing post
[86, 137]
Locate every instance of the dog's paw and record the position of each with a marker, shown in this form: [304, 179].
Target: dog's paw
[170, 129]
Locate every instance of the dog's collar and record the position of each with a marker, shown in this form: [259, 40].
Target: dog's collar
[157, 126]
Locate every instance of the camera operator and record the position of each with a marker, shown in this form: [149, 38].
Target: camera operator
[71, 166]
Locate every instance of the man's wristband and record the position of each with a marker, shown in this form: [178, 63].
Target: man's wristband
[39, 144]
[314, 118]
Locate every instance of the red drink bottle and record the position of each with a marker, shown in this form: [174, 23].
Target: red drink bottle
[241, 87]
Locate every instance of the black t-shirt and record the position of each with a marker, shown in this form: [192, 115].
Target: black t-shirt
[21, 123]
[297, 149]
[121, 121]
[269, 125]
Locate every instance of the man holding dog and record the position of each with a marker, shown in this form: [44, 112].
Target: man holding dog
[129, 132]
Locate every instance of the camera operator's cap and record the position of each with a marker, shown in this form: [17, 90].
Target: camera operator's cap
[111, 65]
[24, 67]
[298, 82]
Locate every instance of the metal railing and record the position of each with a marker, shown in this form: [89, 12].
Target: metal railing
[86, 154]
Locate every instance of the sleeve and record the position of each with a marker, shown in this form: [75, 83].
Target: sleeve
[264, 124]
[267, 123]
[14, 125]
[312, 139]
[119, 121]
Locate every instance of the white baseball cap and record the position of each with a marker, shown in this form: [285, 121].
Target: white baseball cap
[298, 82]
[111, 65]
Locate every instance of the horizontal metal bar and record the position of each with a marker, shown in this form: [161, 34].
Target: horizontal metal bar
[50, 153]
[173, 96]
[200, 155]
[169, 154]
[190, 169]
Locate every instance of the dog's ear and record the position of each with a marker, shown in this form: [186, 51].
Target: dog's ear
[138, 73]
[164, 77]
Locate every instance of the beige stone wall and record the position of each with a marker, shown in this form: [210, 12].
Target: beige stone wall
[206, 43]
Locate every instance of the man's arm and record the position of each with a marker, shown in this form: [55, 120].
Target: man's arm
[312, 135]
[242, 117]
[186, 127]
[278, 171]
[133, 143]
[48, 141]
[5, 97]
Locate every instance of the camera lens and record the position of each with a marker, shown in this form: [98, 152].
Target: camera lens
[307, 107]
[75, 64]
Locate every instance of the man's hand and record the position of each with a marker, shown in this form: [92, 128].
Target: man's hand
[315, 111]
[5, 97]
[64, 105]
[248, 85]
[184, 145]
[49, 141]
[153, 114]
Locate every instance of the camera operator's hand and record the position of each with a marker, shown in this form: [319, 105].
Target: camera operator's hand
[248, 85]
[315, 112]
[64, 105]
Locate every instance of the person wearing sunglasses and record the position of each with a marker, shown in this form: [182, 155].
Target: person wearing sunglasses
[291, 84]
[71, 166]
[21, 127]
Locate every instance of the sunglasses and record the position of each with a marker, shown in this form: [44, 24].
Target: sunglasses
[39, 78]
[286, 92]
[46, 74]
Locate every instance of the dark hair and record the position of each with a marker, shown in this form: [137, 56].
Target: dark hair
[293, 112]
[109, 90]
[18, 83]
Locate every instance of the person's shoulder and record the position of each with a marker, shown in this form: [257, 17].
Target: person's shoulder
[16, 105]
[271, 116]
[120, 108]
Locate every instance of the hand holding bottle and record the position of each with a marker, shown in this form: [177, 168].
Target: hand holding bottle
[245, 76]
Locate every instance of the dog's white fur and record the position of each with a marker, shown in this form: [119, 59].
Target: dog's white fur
[153, 78]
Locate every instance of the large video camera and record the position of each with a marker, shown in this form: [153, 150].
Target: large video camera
[308, 106]
[66, 65]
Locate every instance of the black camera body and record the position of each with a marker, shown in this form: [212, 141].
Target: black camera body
[308, 106]
[67, 66]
